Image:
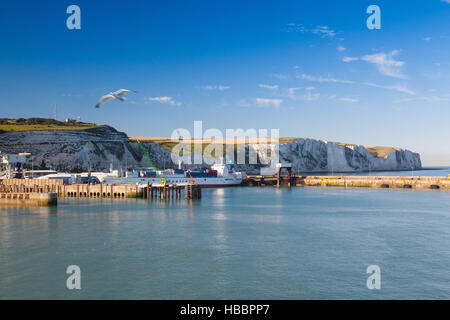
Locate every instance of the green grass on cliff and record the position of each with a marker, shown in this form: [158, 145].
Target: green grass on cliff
[168, 144]
[41, 124]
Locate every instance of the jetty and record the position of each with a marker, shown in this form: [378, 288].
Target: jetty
[32, 198]
[164, 191]
[423, 183]
[47, 191]
[28, 192]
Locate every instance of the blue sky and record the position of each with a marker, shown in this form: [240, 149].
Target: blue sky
[309, 68]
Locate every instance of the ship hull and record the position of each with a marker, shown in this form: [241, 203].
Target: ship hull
[204, 182]
[219, 185]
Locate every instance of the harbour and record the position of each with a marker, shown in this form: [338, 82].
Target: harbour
[222, 157]
[236, 243]
[44, 192]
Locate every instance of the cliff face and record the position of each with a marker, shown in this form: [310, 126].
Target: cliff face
[316, 155]
[102, 146]
[309, 155]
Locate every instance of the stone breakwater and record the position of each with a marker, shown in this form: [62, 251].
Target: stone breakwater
[31, 199]
[423, 183]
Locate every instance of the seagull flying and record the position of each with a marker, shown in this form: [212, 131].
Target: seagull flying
[118, 95]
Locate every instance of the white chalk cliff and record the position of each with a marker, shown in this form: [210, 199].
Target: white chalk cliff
[59, 150]
[320, 156]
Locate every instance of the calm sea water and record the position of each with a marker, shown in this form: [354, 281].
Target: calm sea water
[235, 243]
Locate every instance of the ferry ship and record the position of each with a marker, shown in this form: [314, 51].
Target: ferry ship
[219, 175]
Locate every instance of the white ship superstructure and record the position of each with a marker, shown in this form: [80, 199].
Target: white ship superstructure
[219, 175]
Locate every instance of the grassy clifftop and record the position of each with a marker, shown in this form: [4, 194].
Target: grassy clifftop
[169, 144]
[41, 124]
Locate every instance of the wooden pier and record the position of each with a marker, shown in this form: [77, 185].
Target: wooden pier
[193, 191]
[173, 191]
[163, 191]
[423, 183]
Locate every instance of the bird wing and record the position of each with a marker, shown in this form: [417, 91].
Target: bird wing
[119, 97]
[104, 99]
[122, 91]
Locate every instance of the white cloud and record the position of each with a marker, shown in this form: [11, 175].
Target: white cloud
[216, 87]
[428, 38]
[446, 1]
[349, 59]
[321, 79]
[323, 31]
[308, 95]
[399, 88]
[402, 88]
[350, 100]
[340, 48]
[268, 102]
[429, 99]
[386, 64]
[165, 100]
[269, 87]
[291, 91]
